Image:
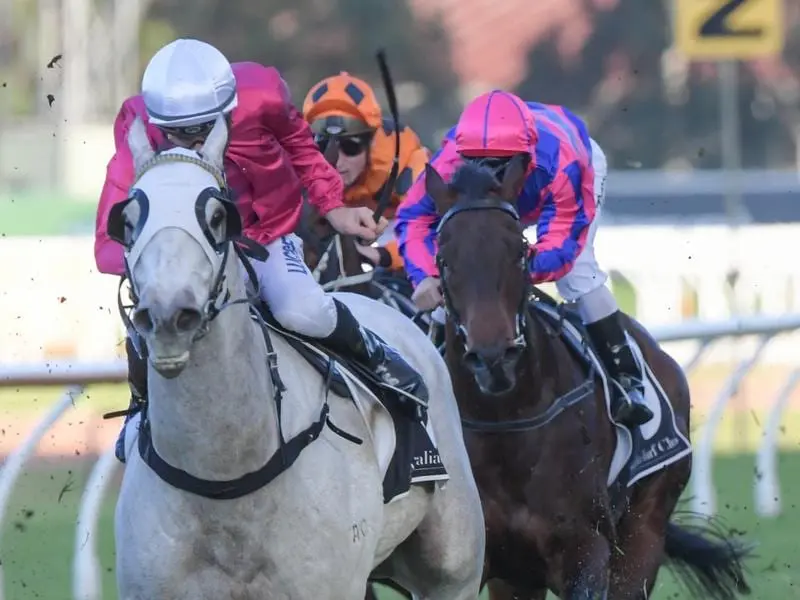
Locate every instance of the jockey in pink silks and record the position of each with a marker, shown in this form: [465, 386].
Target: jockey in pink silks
[271, 157]
[562, 196]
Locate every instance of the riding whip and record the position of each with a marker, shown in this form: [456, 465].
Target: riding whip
[391, 97]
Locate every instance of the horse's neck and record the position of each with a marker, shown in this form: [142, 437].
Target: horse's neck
[216, 420]
[542, 352]
[344, 261]
[351, 259]
[351, 265]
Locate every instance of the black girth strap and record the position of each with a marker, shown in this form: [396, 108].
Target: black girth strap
[562, 403]
[235, 488]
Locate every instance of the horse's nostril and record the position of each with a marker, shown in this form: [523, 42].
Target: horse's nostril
[188, 319]
[142, 320]
[512, 354]
[472, 361]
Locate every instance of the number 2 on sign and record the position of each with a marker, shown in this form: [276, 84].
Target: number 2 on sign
[716, 25]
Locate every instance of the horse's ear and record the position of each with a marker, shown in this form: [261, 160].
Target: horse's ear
[139, 144]
[514, 177]
[331, 153]
[436, 188]
[213, 149]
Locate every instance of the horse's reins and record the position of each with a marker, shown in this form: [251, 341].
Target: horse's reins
[560, 404]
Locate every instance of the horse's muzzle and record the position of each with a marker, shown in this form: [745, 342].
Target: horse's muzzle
[494, 369]
[170, 367]
[170, 327]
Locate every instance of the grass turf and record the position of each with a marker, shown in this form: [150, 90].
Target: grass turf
[39, 532]
[37, 546]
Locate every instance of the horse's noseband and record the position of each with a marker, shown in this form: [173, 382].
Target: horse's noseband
[522, 311]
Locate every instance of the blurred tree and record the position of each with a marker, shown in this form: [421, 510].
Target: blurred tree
[310, 39]
[647, 106]
[18, 69]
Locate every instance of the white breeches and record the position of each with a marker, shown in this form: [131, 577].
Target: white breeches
[585, 283]
[296, 300]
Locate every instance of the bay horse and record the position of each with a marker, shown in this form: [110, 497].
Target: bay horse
[562, 513]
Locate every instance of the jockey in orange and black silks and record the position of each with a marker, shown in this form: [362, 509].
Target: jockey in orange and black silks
[562, 196]
[346, 107]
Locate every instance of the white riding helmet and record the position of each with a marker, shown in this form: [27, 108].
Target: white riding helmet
[186, 83]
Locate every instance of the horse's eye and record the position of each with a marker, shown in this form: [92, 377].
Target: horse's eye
[128, 229]
[217, 218]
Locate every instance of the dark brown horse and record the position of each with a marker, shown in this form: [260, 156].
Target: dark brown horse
[537, 428]
[330, 256]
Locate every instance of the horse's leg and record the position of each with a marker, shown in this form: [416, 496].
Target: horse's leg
[584, 566]
[642, 529]
[438, 561]
[635, 564]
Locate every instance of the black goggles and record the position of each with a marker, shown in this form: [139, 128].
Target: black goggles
[348, 145]
[192, 131]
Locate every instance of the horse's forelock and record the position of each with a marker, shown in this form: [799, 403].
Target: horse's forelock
[475, 181]
[191, 172]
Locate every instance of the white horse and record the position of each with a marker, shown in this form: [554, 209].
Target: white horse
[319, 527]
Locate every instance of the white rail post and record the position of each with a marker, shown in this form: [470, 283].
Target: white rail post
[699, 352]
[704, 499]
[87, 581]
[766, 488]
[10, 470]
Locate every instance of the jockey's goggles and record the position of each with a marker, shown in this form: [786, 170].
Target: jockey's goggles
[192, 131]
[348, 145]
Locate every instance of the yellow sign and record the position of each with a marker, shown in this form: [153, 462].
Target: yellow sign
[729, 29]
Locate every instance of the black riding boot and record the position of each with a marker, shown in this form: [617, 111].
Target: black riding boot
[369, 350]
[608, 337]
[137, 382]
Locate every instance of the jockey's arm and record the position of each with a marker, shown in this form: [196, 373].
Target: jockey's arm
[323, 184]
[415, 229]
[108, 254]
[409, 171]
[562, 226]
[417, 219]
